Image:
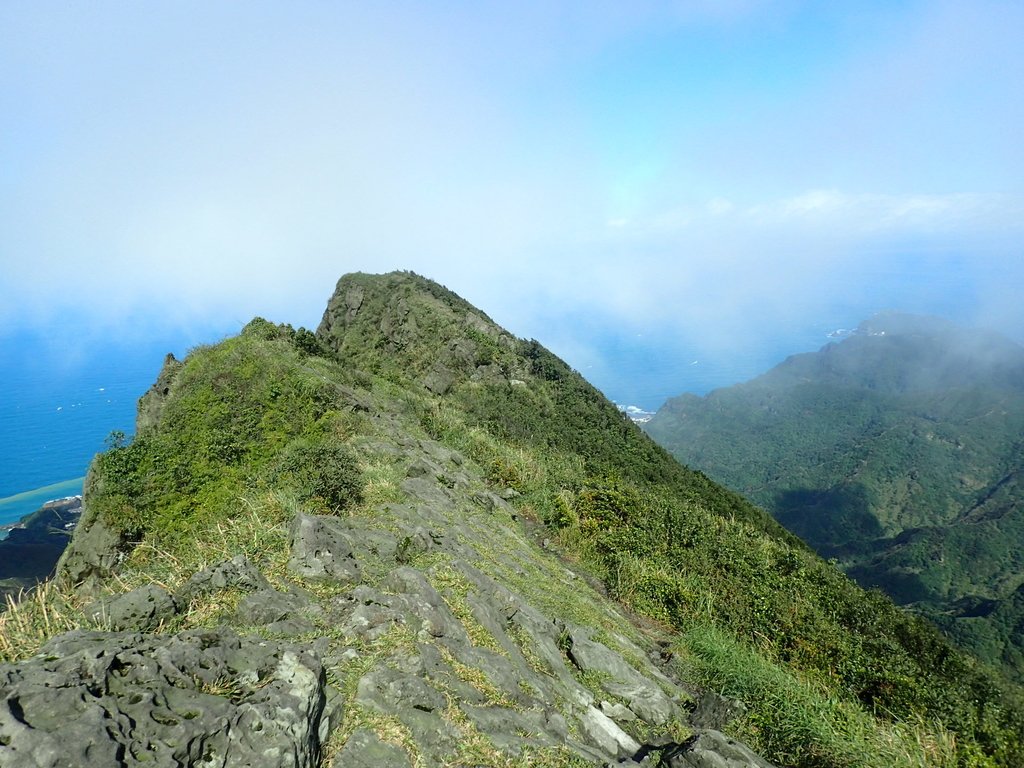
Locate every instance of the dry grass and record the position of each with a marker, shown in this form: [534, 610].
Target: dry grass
[35, 616]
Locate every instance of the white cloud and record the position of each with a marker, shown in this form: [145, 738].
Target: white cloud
[916, 214]
[191, 163]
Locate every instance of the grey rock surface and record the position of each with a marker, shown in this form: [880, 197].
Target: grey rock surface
[364, 749]
[714, 712]
[236, 573]
[280, 612]
[641, 694]
[151, 404]
[388, 690]
[439, 380]
[604, 733]
[713, 749]
[140, 609]
[95, 550]
[420, 610]
[320, 551]
[199, 698]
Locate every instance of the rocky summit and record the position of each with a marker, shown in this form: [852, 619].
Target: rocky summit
[411, 539]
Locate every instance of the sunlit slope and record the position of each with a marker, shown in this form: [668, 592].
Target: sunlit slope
[665, 540]
[897, 451]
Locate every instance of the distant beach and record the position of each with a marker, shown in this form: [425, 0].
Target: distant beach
[13, 508]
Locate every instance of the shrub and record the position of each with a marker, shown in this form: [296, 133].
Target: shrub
[322, 471]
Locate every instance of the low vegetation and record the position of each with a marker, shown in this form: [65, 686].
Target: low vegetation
[897, 452]
[672, 544]
[276, 421]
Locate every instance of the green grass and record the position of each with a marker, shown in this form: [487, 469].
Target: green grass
[801, 721]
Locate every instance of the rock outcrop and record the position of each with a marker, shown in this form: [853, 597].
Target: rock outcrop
[192, 699]
[151, 404]
[95, 550]
[448, 655]
[424, 625]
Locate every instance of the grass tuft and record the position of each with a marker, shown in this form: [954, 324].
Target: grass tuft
[35, 616]
[800, 722]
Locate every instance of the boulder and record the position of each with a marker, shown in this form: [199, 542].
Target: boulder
[280, 612]
[641, 694]
[142, 609]
[95, 550]
[198, 698]
[713, 749]
[236, 573]
[714, 712]
[151, 404]
[603, 732]
[320, 551]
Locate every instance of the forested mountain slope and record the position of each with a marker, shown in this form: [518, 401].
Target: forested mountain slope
[898, 451]
[413, 539]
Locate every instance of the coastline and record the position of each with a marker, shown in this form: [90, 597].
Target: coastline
[24, 520]
[35, 543]
[13, 509]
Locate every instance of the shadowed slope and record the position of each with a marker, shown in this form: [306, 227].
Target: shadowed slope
[896, 451]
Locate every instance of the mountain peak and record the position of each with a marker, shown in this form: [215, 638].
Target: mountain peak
[403, 323]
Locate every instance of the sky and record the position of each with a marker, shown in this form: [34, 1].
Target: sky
[694, 176]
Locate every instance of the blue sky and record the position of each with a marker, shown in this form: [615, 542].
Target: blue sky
[723, 172]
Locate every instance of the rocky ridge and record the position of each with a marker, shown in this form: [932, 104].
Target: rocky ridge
[429, 629]
[451, 655]
[393, 542]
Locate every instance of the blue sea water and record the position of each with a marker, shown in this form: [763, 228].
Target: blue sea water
[60, 398]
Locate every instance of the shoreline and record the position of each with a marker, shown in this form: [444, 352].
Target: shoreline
[20, 522]
[13, 509]
[32, 547]
[20, 495]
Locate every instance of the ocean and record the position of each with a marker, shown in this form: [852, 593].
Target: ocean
[59, 402]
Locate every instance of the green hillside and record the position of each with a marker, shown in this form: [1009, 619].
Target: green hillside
[481, 482]
[898, 452]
